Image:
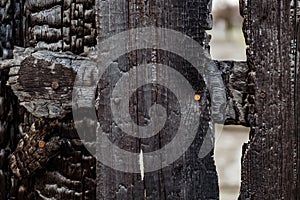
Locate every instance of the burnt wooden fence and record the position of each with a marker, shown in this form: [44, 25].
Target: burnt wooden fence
[44, 44]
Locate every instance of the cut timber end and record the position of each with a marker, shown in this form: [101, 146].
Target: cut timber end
[43, 82]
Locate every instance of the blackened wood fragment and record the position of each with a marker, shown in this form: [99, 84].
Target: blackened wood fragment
[270, 163]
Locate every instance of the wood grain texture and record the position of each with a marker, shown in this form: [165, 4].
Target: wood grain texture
[43, 81]
[235, 78]
[58, 25]
[295, 63]
[189, 177]
[64, 25]
[63, 169]
[7, 100]
[44, 100]
[269, 163]
[57, 40]
[7, 133]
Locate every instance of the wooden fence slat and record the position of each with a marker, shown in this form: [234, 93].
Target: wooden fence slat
[269, 163]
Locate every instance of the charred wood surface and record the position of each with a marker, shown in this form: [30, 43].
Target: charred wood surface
[270, 162]
[235, 78]
[190, 177]
[48, 159]
[49, 94]
[45, 44]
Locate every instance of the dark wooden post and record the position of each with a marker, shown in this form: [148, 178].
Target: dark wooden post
[270, 163]
[190, 177]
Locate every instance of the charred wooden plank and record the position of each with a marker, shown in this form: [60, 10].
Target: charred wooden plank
[6, 29]
[25, 23]
[59, 167]
[30, 69]
[235, 77]
[295, 65]
[175, 181]
[43, 81]
[56, 25]
[7, 133]
[272, 34]
[7, 100]
[34, 150]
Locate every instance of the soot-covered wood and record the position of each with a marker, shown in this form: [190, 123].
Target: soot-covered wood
[190, 177]
[70, 26]
[45, 44]
[61, 168]
[49, 93]
[270, 163]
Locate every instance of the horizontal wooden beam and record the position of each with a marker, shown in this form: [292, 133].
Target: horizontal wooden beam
[235, 76]
[43, 83]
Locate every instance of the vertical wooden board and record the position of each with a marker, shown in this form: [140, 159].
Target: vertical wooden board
[189, 177]
[268, 163]
[7, 133]
[7, 102]
[295, 60]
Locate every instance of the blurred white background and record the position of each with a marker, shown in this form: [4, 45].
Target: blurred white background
[227, 38]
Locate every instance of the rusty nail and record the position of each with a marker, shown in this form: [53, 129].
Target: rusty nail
[197, 97]
[117, 100]
[263, 95]
[42, 144]
[55, 85]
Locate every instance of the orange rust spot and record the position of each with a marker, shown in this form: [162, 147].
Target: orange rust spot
[197, 97]
[55, 85]
[42, 144]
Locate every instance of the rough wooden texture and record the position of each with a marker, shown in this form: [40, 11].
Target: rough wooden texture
[58, 38]
[60, 25]
[7, 133]
[295, 63]
[49, 95]
[53, 98]
[235, 77]
[34, 150]
[56, 25]
[190, 177]
[6, 29]
[7, 101]
[43, 80]
[59, 169]
[270, 164]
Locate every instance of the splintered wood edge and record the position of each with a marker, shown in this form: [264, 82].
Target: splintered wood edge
[34, 75]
